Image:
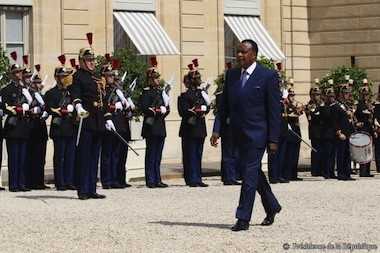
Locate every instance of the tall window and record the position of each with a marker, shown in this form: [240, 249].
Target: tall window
[14, 27]
[230, 44]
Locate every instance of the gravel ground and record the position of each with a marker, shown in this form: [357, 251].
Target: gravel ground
[182, 219]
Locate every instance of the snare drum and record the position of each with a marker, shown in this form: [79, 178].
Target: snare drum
[361, 147]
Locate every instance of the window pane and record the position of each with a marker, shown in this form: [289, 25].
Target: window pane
[14, 26]
[230, 44]
[19, 49]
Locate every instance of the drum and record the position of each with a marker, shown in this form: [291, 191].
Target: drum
[361, 147]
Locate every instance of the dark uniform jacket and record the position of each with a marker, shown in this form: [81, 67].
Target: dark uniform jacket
[85, 90]
[294, 123]
[154, 123]
[328, 125]
[364, 115]
[192, 124]
[16, 125]
[315, 124]
[62, 125]
[38, 128]
[343, 121]
[119, 118]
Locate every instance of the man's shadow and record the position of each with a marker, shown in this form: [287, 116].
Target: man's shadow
[195, 224]
[41, 197]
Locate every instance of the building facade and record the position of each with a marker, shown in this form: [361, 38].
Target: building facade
[313, 35]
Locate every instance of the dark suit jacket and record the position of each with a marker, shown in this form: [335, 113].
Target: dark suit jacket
[255, 109]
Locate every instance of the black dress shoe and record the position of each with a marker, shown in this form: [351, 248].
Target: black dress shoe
[296, 179]
[162, 185]
[83, 196]
[151, 185]
[201, 184]
[106, 187]
[368, 175]
[96, 196]
[334, 177]
[2, 188]
[126, 185]
[14, 190]
[269, 219]
[71, 187]
[117, 186]
[193, 185]
[240, 225]
[24, 189]
[61, 188]
[232, 183]
[274, 181]
[283, 180]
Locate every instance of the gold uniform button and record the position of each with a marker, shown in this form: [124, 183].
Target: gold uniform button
[96, 104]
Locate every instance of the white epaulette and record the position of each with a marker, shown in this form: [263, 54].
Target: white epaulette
[147, 88]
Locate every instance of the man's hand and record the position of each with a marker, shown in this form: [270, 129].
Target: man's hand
[214, 139]
[272, 148]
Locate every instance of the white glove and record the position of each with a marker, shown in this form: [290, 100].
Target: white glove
[118, 106]
[110, 126]
[36, 110]
[163, 109]
[203, 108]
[70, 108]
[39, 98]
[125, 103]
[120, 94]
[44, 115]
[166, 98]
[25, 107]
[27, 95]
[80, 109]
[206, 97]
[131, 104]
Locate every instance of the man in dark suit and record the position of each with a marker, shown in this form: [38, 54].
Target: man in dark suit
[252, 102]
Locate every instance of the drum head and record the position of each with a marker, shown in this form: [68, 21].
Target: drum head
[360, 139]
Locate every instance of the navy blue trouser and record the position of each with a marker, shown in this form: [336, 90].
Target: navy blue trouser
[110, 159]
[64, 161]
[153, 156]
[291, 160]
[122, 171]
[377, 153]
[254, 180]
[316, 158]
[328, 158]
[343, 160]
[192, 150]
[87, 161]
[276, 169]
[16, 149]
[36, 153]
[229, 163]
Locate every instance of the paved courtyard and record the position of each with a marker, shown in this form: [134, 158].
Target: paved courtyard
[182, 219]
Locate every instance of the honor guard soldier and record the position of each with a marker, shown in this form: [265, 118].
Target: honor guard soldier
[294, 110]
[88, 93]
[328, 135]
[364, 116]
[344, 128]
[154, 103]
[376, 116]
[112, 148]
[193, 106]
[229, 166]
[314, 119]
[38, 134]
[276, 161]
[60, 106]
[16, 100]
